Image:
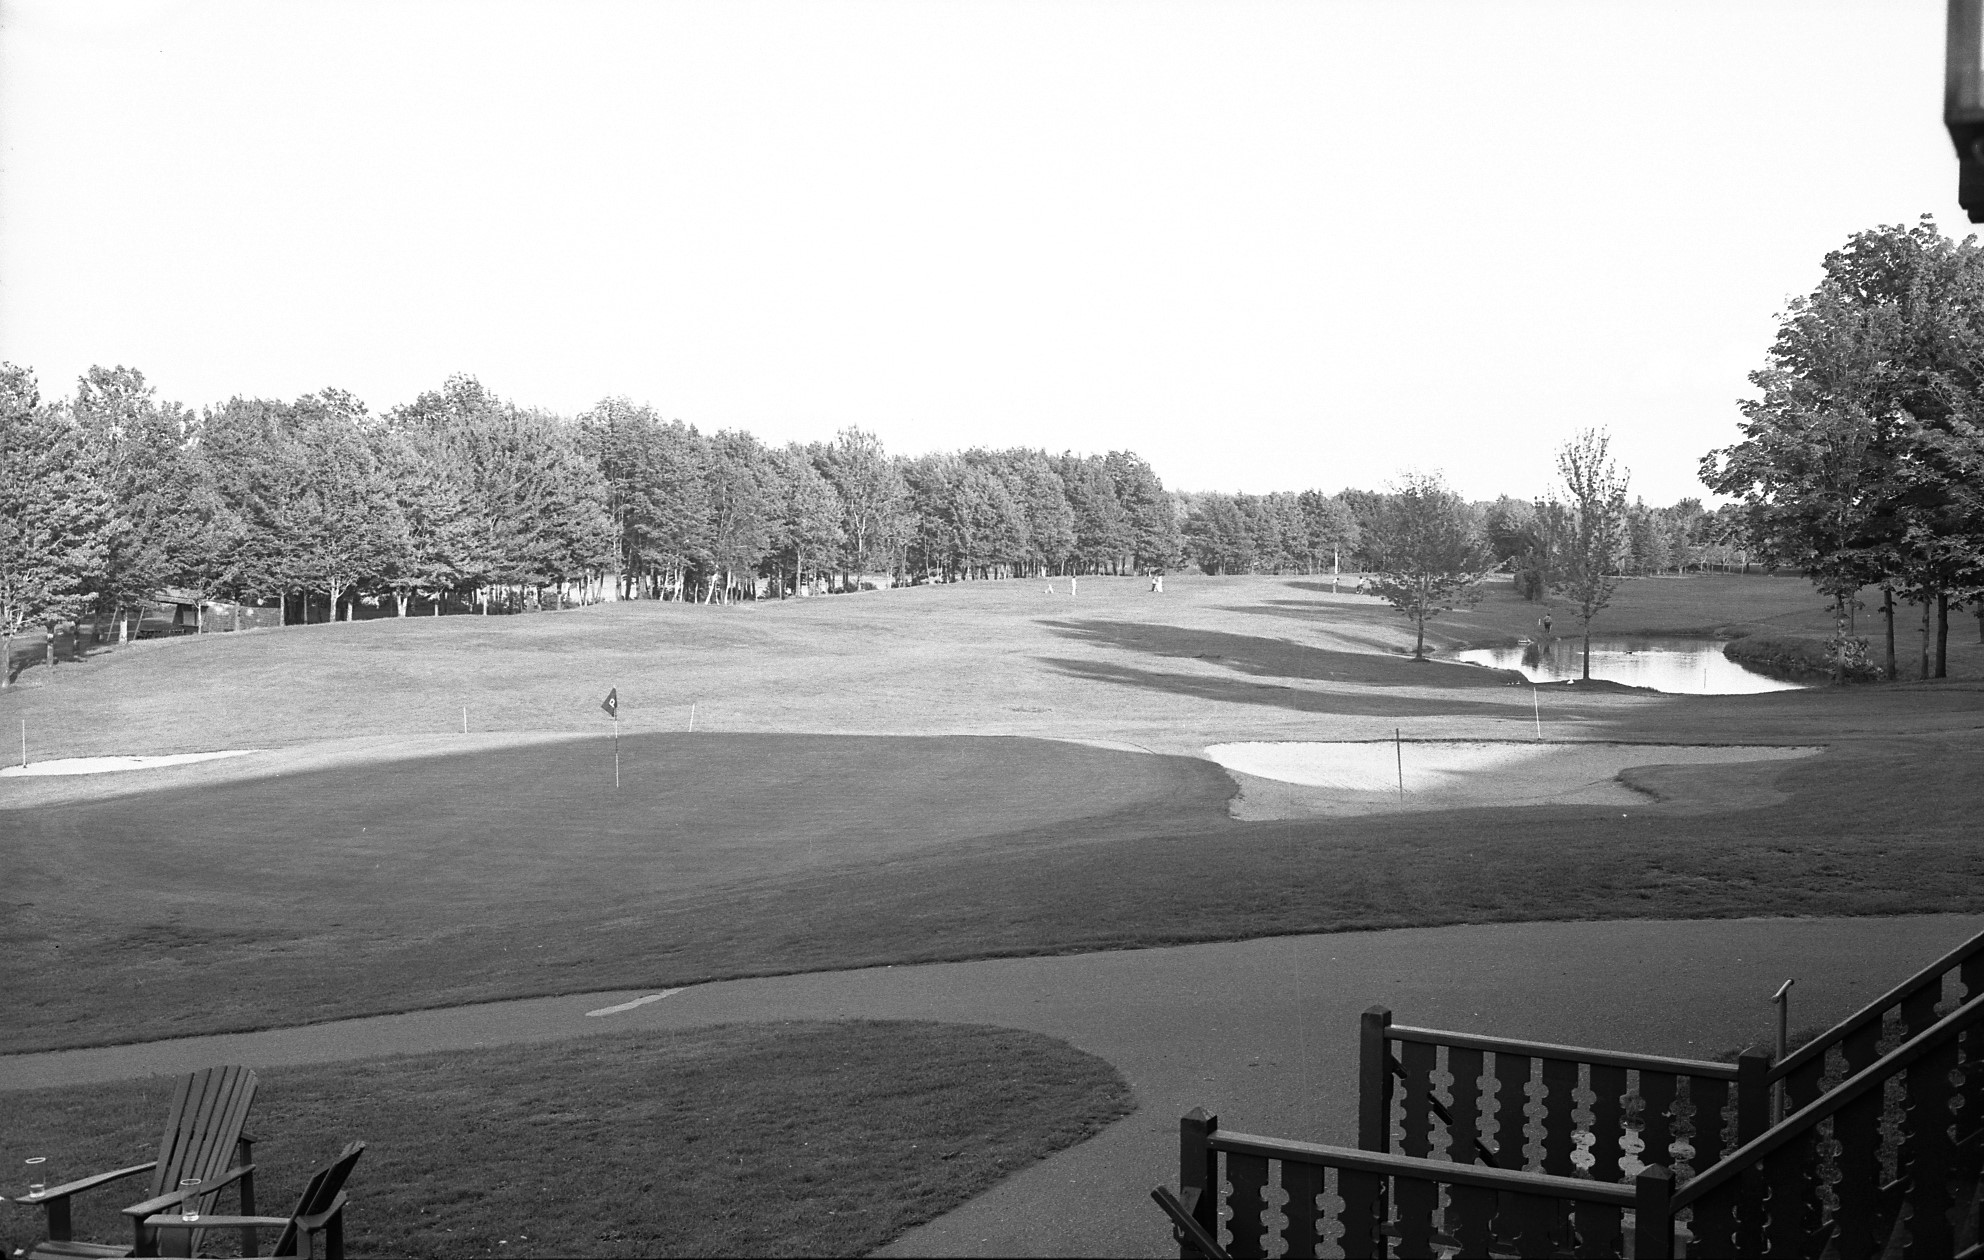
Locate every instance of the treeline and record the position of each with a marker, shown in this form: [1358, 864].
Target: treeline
[1862, 462]
[460, 499]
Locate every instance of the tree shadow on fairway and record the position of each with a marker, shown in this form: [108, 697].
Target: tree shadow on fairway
[1278, 658]
[1280, 695]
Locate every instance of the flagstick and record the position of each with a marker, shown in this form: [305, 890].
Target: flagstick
[616, 751]
[24, 743]
[692, 715]
[1398, 746]
[464, 719]
[1534, 711]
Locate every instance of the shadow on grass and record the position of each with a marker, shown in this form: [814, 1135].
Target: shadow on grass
[799, 1138]
[1278, 658]
[1278, 695]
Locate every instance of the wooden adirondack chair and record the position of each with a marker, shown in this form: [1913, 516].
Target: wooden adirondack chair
[319, 1212]
[202, 1135]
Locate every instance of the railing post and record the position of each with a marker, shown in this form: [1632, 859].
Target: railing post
[1653, 1215]
[1374, 1081]
[1198, 1173]
[1752, 1095]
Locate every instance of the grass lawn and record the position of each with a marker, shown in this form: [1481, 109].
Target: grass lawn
[781, 1139]
[846, 810]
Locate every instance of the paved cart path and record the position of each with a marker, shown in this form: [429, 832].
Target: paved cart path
[1262, 1033]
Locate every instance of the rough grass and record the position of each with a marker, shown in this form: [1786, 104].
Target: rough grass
[394, 884]
[788, 1139]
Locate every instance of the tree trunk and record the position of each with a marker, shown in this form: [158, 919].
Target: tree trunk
[1419, 648]
[1587, 651]
[403, 598]
[1942, 634]
[1887, 611]
[1924, 674]
[1839, 631]
[50, 642]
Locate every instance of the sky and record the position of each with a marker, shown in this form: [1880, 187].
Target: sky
[1266, 245]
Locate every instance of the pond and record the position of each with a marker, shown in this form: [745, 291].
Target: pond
[1691, 666]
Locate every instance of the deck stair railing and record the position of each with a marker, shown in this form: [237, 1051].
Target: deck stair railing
[1472, 1145]
[1855, 1042]
[1289, 1198]
[1888, 1162]
[1568, 1111]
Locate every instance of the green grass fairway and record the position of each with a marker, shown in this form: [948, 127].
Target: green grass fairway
[802, 1139]
[849, 809]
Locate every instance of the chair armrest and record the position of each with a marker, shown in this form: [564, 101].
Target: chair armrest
[87, 1183]
[173, 1198]
[172, 1220]
[320, 1219]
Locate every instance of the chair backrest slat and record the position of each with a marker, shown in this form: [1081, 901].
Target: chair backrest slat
[203, 1127]
[182, 1127]
[234, 1093]
[318, 1195]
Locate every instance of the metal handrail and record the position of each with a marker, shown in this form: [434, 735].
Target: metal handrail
[1880, 1006]
[1799, 1122]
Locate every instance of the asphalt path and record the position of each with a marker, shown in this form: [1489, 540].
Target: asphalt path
[1262, 1033]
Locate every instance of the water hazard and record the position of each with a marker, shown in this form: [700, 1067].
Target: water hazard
[1690, 666]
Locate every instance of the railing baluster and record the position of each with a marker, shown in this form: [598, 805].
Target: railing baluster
[1803, 1086]
[1415, 1201]
[1658, 1091]
[1465, 1064]
[1608, 1122]
[1511, 1101]
[1711, 1100]
[1533, 1225]
[1363, 1196]
[1304, 1186]
[1857, 1126]
[1418, 1059]
[1600, 1229]
[1791, 1211]
[1928, 1155]
[1470, 1218]
[1248, 1175]
[1560, 1085]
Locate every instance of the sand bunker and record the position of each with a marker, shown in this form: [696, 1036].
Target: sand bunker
[1300, 780]
[104, 765]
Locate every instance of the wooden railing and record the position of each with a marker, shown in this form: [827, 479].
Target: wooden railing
[1288, 1198]
[1854, 1043]
[1643, 1109]
[1887, 1162]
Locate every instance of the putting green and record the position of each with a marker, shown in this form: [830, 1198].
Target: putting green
[1302, 780]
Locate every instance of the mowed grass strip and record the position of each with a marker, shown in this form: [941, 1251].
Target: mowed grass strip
[283, 919]
[523, 871]
[792, 1139]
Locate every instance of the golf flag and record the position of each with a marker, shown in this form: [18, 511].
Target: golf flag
[612, 703]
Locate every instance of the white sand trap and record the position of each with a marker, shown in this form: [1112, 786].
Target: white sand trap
[1358, 778]
[104, 765]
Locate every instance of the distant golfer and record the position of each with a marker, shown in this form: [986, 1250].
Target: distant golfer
[1545, 623]
[1071, 586]
[1157, 584]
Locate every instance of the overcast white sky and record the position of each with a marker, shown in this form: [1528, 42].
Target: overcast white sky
[1266, 245]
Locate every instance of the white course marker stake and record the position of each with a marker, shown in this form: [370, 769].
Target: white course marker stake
[692, 716]
[1535, 712]
[464, 719]
[24, 743]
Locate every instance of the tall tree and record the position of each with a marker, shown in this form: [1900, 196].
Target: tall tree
[54, 516]
[1593, 534]
[1429, 557]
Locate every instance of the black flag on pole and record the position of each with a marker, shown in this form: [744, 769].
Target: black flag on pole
[612, 703]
